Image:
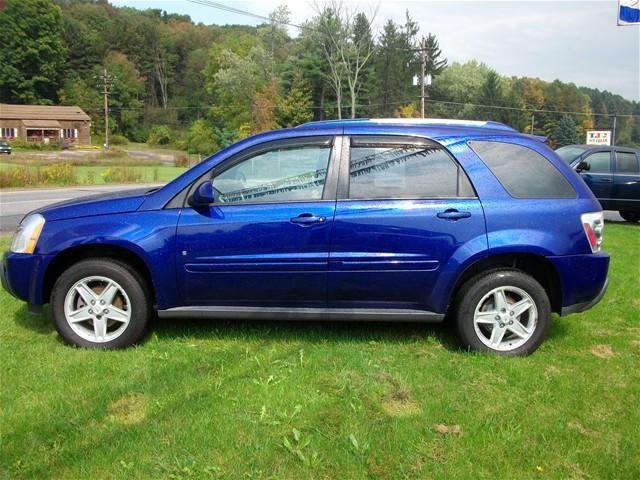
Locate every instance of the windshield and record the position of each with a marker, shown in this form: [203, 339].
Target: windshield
[569, 153]
[3, 144]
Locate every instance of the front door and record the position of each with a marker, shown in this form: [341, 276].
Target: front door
[265, 240]
[599, 176]
[405, 206]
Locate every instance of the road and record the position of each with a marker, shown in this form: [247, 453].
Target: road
[14, 204]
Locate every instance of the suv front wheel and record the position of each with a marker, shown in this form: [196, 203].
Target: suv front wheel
[100, 303]
[503, 311]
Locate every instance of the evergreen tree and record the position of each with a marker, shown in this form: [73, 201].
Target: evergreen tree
[565, 132]
[295, 107]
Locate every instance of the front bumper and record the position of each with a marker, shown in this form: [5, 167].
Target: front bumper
[21, 276]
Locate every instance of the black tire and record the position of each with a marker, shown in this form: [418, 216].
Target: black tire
[128, 279]
[632, 217]
[473, 291]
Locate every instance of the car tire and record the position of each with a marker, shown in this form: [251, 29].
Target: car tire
[101, 303]
[632, 217]
[502, 311]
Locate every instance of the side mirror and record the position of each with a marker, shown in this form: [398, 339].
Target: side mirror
[203, 195]
[583, 166]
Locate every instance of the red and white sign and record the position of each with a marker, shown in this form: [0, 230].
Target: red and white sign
[598, 137]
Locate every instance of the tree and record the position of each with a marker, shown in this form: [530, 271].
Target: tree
[32, 55]
[295, 106]
[565, 132]
[351, 48]
[435, 64]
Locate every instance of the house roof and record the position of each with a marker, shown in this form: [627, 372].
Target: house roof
[41, 123]
[42, 112]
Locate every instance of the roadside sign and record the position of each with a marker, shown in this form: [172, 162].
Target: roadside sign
[598, 137]
[628, 12]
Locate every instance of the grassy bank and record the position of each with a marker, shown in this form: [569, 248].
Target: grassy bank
[16, 176]
[211, 399]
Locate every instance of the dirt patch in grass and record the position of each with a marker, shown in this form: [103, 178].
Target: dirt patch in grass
[578, 427]
[129, 409]
[602, 351]
[447, 429]
[398, 403]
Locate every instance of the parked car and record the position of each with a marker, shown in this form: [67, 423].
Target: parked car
[5, 147]
[395, 220]
[612, 173]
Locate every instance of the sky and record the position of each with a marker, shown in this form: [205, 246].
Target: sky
[574, 41]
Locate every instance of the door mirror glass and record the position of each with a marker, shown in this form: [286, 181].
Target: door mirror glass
[203, 195]
[583, 167]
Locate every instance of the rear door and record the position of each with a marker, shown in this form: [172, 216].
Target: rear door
[626, 181]
[404, 207]
[599, 177]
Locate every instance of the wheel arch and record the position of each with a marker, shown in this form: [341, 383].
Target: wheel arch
[72, 255]
[539, 267]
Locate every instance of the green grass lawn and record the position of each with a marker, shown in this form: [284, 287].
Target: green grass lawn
[211, 399]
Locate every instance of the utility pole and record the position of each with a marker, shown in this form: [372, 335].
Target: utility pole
[105, 91]
[423, 54]
[613, 139]
[104, 82]
[533, 119]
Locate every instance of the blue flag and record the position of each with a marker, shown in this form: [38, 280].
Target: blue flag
[628, 12]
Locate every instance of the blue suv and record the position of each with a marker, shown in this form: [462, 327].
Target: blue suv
[394, 220]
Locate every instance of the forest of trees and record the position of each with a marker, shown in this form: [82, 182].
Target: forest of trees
[200, 87]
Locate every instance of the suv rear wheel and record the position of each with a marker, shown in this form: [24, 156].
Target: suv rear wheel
[503, 311]
[630, 216]
[100, 303]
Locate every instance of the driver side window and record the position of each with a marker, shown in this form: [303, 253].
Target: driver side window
[284, 174]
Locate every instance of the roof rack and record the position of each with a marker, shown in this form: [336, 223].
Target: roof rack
[443, 122]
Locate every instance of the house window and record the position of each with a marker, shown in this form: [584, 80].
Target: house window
[70, 133]
[8, 132]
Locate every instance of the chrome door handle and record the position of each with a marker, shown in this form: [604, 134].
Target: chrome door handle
[308, 219]
[453, 214]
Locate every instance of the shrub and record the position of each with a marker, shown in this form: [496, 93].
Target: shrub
[59, 174]
[121, 175]
[118, 140]
[21, 145]
[160, 135]
[18, 177]
[181, 160]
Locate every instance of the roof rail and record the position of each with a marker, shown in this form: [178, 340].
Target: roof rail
[444, 122]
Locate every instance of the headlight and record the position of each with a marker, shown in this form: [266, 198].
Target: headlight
[27, 234]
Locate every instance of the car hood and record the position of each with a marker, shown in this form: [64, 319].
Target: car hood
[122, 201]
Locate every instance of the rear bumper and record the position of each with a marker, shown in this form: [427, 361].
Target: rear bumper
[581, 307]
[584, 280]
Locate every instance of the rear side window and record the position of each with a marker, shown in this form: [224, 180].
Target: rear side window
[599, 162]
[523, 172]
[626, 162]
[396, 170]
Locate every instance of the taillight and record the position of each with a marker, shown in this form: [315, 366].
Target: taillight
[593, 223]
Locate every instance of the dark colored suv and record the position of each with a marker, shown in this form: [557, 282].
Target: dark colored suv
[612, 173]
[390, 220]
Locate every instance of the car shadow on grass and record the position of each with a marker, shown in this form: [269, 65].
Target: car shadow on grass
[306, 331]
[291, 330]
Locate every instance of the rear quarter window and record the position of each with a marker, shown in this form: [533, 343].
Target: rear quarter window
[523, 172]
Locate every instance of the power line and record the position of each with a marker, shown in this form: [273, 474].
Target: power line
[226, 8]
